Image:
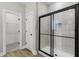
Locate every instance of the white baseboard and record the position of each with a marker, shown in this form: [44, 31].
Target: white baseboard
[34, 52]
[23, 47]
[13, 49]
[1, 54]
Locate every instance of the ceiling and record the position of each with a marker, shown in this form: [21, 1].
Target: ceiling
[46, 3]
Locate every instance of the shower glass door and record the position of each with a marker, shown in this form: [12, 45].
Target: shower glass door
[12, 32]
[64, 33]
[58, 34]
[45, 32]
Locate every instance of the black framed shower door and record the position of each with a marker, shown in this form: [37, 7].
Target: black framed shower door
[58, 31]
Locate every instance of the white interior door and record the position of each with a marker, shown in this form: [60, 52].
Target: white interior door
[12, 27]
[12, 31]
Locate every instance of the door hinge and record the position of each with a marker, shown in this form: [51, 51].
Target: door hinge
[18, 42]
[18, 18]
[18, 30]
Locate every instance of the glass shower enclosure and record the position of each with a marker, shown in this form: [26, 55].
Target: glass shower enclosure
[58, 32]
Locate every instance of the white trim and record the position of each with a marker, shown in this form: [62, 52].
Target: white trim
[20, 31]
[4, 28]
[23, 47]
[34, 52]
[4, 40]
[14, 49]
[1, 54]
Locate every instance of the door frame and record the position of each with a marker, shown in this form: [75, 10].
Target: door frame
[76, 7]
[4, 28]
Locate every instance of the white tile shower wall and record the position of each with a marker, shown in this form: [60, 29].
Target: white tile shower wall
[45, 41]
[66, 29]
[45, 25]
[45, 29]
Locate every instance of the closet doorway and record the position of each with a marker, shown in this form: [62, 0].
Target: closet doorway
[12, 31]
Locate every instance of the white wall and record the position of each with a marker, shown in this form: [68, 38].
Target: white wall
[14, 6]
[30, 26]
[42, 9]
[60, 5]
[36, 9]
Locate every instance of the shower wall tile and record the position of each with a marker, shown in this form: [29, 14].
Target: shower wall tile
[67, 20]
[44, 41]
[66, 45]
[45, 25]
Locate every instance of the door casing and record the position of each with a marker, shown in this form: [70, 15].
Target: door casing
[4, 28]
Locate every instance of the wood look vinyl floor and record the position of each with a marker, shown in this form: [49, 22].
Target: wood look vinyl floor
[21, 53]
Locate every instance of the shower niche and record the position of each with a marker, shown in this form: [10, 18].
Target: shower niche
[58, 32]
